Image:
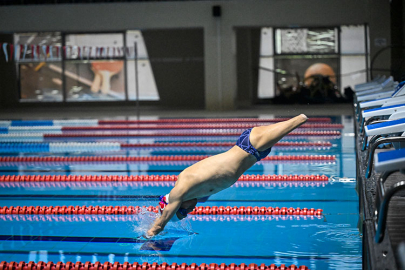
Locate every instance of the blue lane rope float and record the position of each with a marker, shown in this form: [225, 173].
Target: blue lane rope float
[65, 123]
[95, 122]
[63, 147]
[58, 129]
[31, 123]
[56, 135]
[24, 147]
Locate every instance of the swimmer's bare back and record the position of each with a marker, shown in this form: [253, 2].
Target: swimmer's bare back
[213, 174]
[219, 172]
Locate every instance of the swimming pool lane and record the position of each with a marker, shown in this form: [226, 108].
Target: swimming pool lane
[330, 241]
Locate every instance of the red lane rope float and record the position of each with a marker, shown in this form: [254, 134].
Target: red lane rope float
[220, 218]
[137, 266]
[192, 126]
[98, 184]
[178, 134]
[111, 218]
[219, 144]
[207, 120]
[142, 178]
[120, 159]
[133, 210]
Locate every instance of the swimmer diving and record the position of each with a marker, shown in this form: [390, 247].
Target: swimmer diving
[218, 172]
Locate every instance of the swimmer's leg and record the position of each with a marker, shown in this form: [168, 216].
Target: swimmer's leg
[264, 137]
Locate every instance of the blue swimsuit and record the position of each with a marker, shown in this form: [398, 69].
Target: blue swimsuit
[244, 143]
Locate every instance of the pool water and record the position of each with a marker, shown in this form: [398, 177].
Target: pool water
[331, 241]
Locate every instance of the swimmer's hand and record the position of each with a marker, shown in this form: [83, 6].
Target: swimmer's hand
[145, 236]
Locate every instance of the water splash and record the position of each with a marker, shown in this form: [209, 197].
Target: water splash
[146, 218]
[173, 229]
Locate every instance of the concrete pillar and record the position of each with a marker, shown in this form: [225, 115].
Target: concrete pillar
[211, 60]
[220, 65]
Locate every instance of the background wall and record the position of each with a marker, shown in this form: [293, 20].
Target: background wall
[177, 60]
[219, 43]
[397, 39]
[248, 53]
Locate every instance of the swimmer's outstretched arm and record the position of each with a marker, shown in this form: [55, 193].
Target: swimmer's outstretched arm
[169, 211]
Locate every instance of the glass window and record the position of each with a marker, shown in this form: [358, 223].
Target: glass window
[86, 67]
[353, 55]
[84, 46]
[40, 82]
[95, 67]
[266, 78]
[38, 60]
[353, 70]
[295, 69]
[95, 80]
[352, 39]
[147, 89]
[306, 40]
[266, 62]
[37, 47]
[301, 52]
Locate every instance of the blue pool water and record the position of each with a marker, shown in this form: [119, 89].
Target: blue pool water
[331, 241]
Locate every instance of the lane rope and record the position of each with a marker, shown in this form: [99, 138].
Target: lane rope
[171, 134]
[41, 137]
[6, 160]
[149, 178]
[58, 147]
[134, 210]
[192, 126]
[95, 122]
[137, 266]
[209, 120]
[120, 184]
[114, 218]
[217, 144]
[61, 129]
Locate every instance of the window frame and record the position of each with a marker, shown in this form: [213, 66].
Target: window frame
[337, 54]
[63, 60]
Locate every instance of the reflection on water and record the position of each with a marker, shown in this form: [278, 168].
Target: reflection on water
[328, 242]
[179, 233]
